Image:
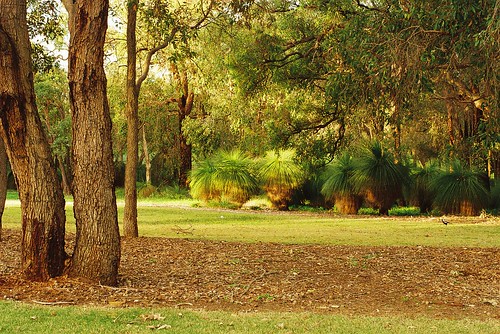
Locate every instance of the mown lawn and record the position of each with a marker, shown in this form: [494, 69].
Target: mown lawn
[178, 220]
[23, 318]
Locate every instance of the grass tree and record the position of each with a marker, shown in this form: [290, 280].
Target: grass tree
[460, 190]
[421, 192]
[378, 177]
[281, 175]
[234, 177]
[201, 180]
[339, 187]
[229, 176]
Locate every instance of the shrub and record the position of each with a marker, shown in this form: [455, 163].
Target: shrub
[201, 180]
[339, 187]
[280, 175]
[421, 192]
[405, 211]
[379, 177]
[227, 177]
[460, 190]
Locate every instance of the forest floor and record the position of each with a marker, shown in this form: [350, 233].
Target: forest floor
[451, 283]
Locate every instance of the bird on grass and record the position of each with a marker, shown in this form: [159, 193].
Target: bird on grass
[444, 221]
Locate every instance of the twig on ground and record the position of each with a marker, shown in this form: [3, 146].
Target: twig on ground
[179, 230]
[52, 303]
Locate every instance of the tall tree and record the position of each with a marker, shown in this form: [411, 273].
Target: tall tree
[130, 228]
[184, 102]
[97, 248]
[166, 25]
[42, 201]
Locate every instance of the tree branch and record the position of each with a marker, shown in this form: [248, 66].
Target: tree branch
[150, 55]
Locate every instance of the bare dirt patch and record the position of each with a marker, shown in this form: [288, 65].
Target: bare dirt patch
[197, 274]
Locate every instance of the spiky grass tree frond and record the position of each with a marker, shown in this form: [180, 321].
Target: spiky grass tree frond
[201, 180]
[281, 175]
[422, 193]
[339, 178]
[460, 190]
[338, 185]
[235, 177]
[378, 176]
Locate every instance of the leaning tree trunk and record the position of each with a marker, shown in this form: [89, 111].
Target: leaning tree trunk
[97, 246]
[42, 200]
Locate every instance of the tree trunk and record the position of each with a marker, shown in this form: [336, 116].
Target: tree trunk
[3, 182]
[66, 184]
[42, 200]
[185, 106]
[130, 228]
[147, 160]
[97, 246]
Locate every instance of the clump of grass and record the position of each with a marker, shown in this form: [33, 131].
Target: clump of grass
[460, 190]
[404, 211]
[281, 175]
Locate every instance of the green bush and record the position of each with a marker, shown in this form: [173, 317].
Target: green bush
[339, 187]
[404, 211]
[460, 190]
[421, 192]
[229, 176]
[379, 177]
[280, 175]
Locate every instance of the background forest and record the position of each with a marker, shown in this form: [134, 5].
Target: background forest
[311, 102]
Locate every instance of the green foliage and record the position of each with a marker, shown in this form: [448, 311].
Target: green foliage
[202, 183]
[339, 186]
[234, 177]
[46, 27]
[460, 190]
[378, 176]
[421, 192]
[405, 211]
[280, 175]
[225, 177]
[52, 94]
[495, 196]
[339, 177]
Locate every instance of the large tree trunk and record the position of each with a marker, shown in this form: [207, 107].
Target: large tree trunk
[42, 201]
[3, 182]
[130, 228]
[185, 106]
[97, 247]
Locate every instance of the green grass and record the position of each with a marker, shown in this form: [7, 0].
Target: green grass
[299, 228]
[23, 318]
[158, 219]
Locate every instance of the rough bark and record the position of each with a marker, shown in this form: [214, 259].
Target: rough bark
[130, 228]
[184, 108]
[97, 246]
[40, 193]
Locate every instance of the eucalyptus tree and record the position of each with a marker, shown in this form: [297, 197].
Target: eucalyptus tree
[376, 62]
[96, 254]
[166, 24]
[42, 201]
